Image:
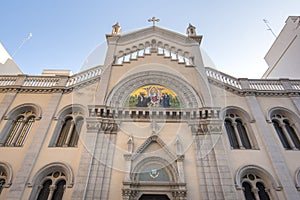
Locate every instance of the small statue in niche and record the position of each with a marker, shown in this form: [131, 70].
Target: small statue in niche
[191, 30]
[116, 29]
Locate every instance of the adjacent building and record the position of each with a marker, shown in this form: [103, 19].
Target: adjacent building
[283, 57]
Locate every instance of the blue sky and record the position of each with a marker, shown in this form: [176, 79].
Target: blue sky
[64, 32]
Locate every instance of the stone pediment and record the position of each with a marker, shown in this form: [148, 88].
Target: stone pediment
[153, 147]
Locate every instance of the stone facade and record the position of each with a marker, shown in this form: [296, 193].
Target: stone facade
[151, 123]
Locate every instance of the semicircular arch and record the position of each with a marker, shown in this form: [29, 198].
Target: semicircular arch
[264, 174]
[169, 168]
[187, 95]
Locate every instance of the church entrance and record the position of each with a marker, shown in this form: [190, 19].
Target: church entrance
[154, 197]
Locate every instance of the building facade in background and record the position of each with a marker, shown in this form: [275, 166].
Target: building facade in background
[152, 122]
[283, 57]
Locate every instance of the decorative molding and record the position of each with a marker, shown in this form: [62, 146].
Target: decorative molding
[188, 97]
[265, 175]
[293, 117]
[52, 167]
[106, 126]
[9, 173]
[18, 109]
[160, 142]
[206, 127]
[237, 110]
[297, 179]
[163, 34]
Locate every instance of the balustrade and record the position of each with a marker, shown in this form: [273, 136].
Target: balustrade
[8, 80]
[253, 84]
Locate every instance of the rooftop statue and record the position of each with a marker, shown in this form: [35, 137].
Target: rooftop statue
[116, 29]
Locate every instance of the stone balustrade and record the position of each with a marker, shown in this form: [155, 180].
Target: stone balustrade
[37, 81]
[261, 85]
[242, 84]
[26, 81]
[223, 78]
[7, 80]
[138, 113]
[84, 76]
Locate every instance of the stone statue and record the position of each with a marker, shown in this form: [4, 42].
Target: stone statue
[116, 29]
[191, 30]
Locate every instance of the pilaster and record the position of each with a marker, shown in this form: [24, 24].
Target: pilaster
[275, 155]
[22, 176]
[6, 103]
[105, 77]
[296, 102]
[93, 179]
[214, 172]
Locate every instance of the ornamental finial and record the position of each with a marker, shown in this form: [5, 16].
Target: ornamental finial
[153, 20]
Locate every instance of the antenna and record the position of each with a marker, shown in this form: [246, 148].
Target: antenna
[269, 28]
[23, 42]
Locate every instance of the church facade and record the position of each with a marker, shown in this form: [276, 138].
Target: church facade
[153, 122]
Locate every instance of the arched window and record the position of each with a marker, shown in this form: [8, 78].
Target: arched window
[257, 183]
[237, 132]
[5, 176]
[68, 128]
[249, 195]
[231, 134]
[52, 186]
[51, 182]
[254, 188]
[19, 127]
[2, 179]
[286, 132]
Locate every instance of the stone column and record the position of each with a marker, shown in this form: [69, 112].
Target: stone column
[287, 135]
[237, 135]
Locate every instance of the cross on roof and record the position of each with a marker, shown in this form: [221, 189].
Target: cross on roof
[153, 20]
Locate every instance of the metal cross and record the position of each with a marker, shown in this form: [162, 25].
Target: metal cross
[153, 20]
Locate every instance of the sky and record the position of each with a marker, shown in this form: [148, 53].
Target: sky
[60, 34]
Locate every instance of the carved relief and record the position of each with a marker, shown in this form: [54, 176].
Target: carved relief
[206, 128]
